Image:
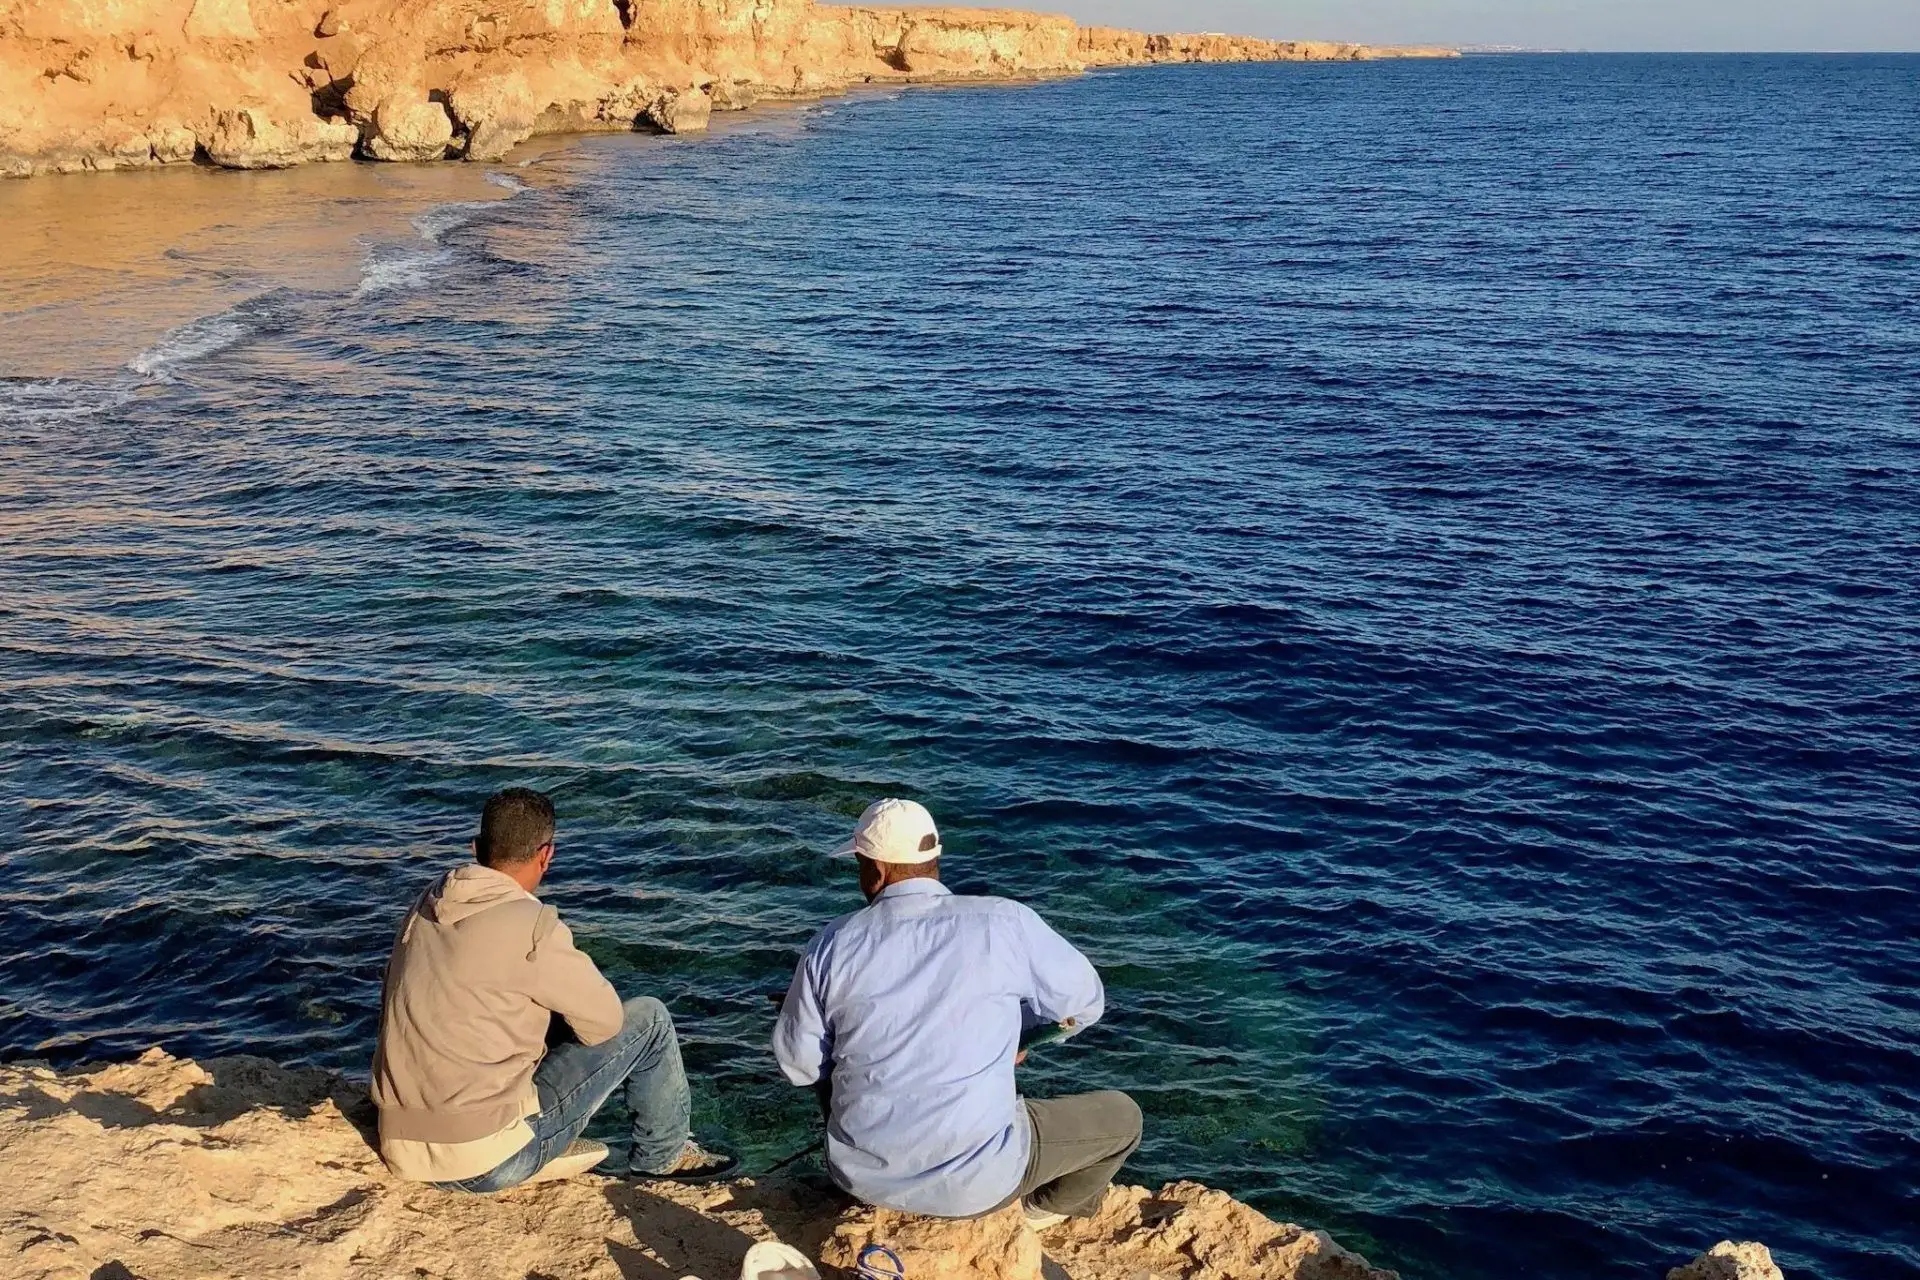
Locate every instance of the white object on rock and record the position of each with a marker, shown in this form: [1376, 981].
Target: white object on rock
[1730, 1261]
[771, 1260]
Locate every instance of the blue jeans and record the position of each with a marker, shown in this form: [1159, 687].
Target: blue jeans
[575, 1080]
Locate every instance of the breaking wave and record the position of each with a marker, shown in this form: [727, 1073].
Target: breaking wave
[194, 340]
[391, 267]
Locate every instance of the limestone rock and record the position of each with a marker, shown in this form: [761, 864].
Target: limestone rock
[681, 111]
[239, 1169]
[339, 57]
[221, 20]
[1730, 1261]
[408, 127]
[997, 1247]
[731, 95]
[80, 78]
[251, 138]
[121, 149]
[969, 45]
[1184, 1230]
[622, 106]
[1188, 1230]
[1112, 46]
[172, 142]
[497, 113]
[384, 69]
[82, 68]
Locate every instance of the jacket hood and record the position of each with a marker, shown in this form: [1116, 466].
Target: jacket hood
[466, 891]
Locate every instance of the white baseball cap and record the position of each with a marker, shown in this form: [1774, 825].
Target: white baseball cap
[896, 831]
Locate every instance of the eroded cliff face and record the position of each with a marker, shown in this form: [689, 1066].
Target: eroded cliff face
[106, 84]
[1117, 46]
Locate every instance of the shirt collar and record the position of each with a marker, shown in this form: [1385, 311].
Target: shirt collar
[919, 887]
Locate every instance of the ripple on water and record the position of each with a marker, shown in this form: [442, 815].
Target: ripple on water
[1432, 613]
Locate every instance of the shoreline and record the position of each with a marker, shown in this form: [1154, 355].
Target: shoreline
[307, 229]
[135, 288]
[255, 86]
[136, 291]
[168, 1169]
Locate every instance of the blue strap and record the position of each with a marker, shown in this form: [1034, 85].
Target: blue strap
[871, 1271]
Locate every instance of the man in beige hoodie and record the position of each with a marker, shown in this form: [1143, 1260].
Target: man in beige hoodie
[478, 1086]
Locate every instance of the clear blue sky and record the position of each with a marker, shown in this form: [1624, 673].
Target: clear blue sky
[1560, 24]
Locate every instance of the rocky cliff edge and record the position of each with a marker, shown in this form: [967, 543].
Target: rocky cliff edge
[89, 85]
[165, 1169]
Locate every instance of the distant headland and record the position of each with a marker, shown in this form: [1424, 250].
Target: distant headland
[96, 85]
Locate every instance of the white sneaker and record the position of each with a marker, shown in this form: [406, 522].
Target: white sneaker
[580, 1156]
[1041, 1219]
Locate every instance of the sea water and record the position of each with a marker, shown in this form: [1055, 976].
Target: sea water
[1415, 567]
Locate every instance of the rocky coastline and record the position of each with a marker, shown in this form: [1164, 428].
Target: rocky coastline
[99, 85]
[167, 1169]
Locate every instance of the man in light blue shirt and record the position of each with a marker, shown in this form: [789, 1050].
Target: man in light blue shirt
[909, 1013]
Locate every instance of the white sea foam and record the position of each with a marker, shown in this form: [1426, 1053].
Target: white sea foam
[389, 269]
[29, 400]
[442, 218]
[191, 341]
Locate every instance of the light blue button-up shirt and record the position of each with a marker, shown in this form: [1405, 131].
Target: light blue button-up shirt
[915, 1006]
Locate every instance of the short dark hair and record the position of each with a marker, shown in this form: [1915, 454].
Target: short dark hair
[513, 826]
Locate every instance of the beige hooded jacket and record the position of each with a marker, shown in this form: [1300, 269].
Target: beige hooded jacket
[477, 968]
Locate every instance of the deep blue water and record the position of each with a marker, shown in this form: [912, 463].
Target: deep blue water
[1416, 567]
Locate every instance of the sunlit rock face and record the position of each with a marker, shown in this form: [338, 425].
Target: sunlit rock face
[239, 1168]
[1730, 1261]
[117, 84]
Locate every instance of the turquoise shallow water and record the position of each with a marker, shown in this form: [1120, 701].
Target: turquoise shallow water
[1412, 566]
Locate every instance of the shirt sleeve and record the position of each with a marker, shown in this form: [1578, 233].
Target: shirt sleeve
[802, 1041]
[566, 980]
[1060, 982]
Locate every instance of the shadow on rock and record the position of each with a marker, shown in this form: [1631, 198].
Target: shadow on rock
[802, 1210]
[683, 1240]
